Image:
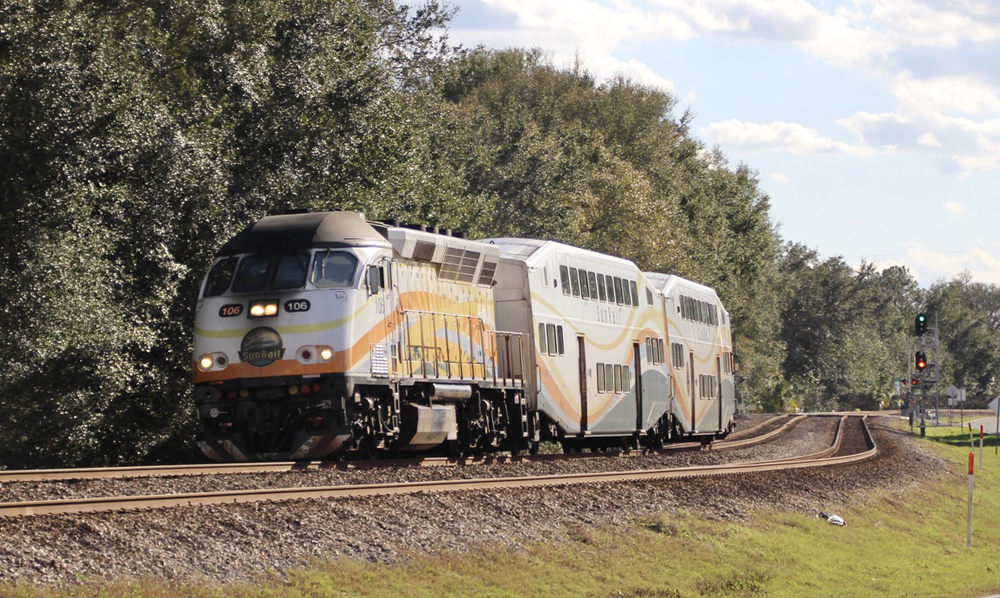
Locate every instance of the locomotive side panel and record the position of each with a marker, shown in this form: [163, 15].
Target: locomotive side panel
[447, 326]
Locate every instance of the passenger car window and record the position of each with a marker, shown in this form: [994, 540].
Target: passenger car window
[574, 277]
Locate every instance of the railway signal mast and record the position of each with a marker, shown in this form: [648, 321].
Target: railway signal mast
[926, 372]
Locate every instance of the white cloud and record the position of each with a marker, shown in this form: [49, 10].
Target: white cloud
[781, 136]
[604, 68]
[779, 177]
[954, 118]
[856, 33]
[929, 140]
[954, 207]
[930, 265]
[963, 93]
[590, 31]
[918, 23]
[836, 36]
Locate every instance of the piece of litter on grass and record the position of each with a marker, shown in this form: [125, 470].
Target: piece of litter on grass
[833, 519]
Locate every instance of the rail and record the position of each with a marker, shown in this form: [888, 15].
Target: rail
[96, 473]
[124, 503]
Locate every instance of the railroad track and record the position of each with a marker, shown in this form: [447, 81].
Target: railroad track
[95, 473]
[829, 456]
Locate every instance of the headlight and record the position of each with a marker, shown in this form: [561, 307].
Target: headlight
[212, 361]
[263, 309]
[315, 354]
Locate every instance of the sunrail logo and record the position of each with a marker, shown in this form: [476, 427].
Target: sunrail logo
[260, 347]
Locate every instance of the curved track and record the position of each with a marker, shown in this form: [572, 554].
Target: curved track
[829, 456]
[95, 473]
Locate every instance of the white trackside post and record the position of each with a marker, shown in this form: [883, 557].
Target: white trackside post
[980, 447]
[968, 533]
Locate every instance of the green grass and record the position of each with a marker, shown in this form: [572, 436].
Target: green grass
[910, 544]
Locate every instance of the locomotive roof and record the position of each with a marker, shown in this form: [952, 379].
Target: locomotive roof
[290, 232]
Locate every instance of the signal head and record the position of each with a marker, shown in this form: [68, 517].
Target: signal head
[921, 361]
[920, 324]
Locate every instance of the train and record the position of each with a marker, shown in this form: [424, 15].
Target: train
[323, 335]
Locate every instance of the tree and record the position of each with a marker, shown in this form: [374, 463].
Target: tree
[968, 320]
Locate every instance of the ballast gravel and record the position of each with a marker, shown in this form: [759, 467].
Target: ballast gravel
[240, 542]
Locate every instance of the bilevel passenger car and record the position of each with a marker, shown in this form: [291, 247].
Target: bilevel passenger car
[323, 334]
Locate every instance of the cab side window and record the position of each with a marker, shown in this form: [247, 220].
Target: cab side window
[333, 269]
[220, 276]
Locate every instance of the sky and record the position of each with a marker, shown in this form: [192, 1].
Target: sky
[873, 125]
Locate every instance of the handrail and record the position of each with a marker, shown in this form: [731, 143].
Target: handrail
[499, 359]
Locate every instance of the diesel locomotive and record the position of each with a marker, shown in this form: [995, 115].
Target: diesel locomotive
[323, 335]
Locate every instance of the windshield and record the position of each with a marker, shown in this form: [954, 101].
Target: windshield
[333, 269]
[220, 276]
[291, 272]
[252, 274]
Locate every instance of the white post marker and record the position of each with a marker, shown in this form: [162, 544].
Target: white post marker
[968, 533]
[980, 447]
[995, 406]
[972, 441]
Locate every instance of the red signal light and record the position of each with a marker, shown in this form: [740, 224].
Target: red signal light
[921, 361]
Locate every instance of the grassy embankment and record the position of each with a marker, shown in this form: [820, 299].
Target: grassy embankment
[896, 545]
